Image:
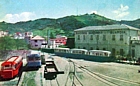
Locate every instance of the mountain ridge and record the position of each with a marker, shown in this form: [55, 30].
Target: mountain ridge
[64, 25]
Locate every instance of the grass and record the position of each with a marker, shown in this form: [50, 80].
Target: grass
[29, 79]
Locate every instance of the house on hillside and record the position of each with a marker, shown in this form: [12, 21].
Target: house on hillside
[3, 33]
[36, 42]
[19, 35]
[120, 39]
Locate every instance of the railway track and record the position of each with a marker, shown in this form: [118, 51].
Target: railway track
[108, 80]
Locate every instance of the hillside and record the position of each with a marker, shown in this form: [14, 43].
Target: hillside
[135, 23]
[65, 25]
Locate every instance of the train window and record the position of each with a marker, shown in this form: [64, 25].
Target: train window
[105, 54]
[83, 52]
[101, 54]
[97, 54]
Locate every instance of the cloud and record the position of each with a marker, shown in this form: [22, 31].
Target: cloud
[24, 16]
[121, 12]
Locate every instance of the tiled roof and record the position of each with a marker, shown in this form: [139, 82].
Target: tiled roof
[108, 27]
[37, 38]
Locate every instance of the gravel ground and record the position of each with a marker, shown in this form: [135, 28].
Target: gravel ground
[125, 72]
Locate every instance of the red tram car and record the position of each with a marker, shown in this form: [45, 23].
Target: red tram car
[10, 67]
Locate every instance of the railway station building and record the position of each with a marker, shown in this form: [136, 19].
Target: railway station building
[120, 39]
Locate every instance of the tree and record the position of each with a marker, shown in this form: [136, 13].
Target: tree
[6, 43]
[20, 43]
[52, 36]
[70, 43]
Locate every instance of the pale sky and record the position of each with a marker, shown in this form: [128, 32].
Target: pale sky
[13, 11]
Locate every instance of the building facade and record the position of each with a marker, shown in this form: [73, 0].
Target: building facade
[56, 42]
[36, 42]
[115, 38]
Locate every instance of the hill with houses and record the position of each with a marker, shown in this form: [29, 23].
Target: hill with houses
[65, 25]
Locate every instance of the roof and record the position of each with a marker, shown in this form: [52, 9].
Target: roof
[99, 51]
[63, 48]
[59, 39]
[33, 55]
[108, 27]
[15, 59]
[37, 38]
[74, 49]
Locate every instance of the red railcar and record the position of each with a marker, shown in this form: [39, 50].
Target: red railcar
[10, 67]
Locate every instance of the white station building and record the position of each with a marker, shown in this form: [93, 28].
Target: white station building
[120, 39]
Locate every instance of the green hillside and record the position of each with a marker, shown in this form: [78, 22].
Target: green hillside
[65, 25]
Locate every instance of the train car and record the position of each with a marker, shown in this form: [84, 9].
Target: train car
[71, 53]
[92, 55]
[10, 68]
[34, 60]
[62, 51]
[78, 53]
[99, 53]
[100, 56]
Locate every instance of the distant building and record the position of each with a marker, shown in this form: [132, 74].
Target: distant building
[19, 35]
[59, 40]
[121, 39]
[36, 42]
[28, 36]
[3, 33]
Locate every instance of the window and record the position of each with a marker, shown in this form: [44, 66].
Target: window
[78, 37]
[7, 67]
[121, 52]
[133, 53]
[104, 48]
[37, 58]
[121, 37]
[97, 37]
[35, 40]
[97, 48]
[91, 37]
[84, 37]
[91, 48]
[113, 51]
[113, 37]
[104, 37]
[30, 59]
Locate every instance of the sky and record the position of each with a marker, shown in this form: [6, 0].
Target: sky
[13, 11]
